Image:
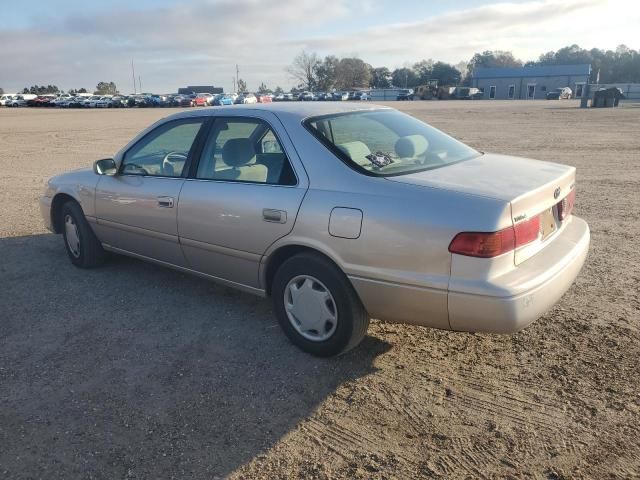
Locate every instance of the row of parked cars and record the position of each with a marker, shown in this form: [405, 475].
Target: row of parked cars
[173, 100]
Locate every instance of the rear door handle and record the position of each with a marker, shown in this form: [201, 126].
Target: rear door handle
[276, 216]
[166, 202]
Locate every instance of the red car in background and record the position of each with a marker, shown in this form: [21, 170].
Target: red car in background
[264, 98]
[202, 100]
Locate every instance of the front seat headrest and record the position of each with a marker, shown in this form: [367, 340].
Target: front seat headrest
[238, 152]
[411, 146]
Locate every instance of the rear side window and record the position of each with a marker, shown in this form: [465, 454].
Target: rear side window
[164, 151]
[387, 142]
[244, 150]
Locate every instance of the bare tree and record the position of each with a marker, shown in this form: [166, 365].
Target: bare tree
[304, 69]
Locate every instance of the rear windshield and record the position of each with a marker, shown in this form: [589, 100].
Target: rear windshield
[387, 142]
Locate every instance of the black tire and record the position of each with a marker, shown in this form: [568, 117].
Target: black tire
[90, 253]
[353, 319]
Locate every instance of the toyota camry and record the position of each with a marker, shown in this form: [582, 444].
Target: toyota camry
[337, 212]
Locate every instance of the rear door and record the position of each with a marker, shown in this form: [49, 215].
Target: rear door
[136, 208]
[242, 196]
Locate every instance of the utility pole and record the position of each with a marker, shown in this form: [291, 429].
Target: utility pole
[233, 79]
[139, 83]
[133, 75]
[237, 76]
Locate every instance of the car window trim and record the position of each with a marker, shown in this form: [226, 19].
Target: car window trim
[190, 155]
[195, 164]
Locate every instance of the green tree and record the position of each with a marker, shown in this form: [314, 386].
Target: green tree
[242, 85]
[491, 59]
[326, 73]
[1, 91]
[381, 77]
[352, 73]
[405, 78]
[304, 69]
[445, 74]
[278, 90]
[106, 88]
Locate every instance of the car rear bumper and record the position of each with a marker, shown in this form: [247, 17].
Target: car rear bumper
[528, 291]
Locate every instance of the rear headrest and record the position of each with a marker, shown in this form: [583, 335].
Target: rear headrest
[238, 152]
[357, 151]
[411, 146]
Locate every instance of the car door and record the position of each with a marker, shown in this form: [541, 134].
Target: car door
[136, 208]
[242, 195]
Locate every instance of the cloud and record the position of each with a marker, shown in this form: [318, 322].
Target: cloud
[201, 41]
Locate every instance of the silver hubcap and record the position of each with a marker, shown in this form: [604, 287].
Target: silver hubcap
[310, 308]
[71, 234]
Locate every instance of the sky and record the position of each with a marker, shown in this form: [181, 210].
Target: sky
[74, 43]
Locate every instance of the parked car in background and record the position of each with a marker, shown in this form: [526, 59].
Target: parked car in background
[342, 234]
[202, 100]
[279, 97]
[224, 99]
[405, 94]
[563, 93]
[288, 97]
[103, 102]
[264, 97]
[323, 96]
[182, 101]
[5, 100]
[246, 98]
[91, 102]
[359, 95]
[17, 101]
[340, 96]
[305, 96]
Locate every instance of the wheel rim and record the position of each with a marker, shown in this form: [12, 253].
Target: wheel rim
[310, 308]
[72, 236]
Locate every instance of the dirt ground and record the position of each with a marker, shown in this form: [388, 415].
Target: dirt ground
[132, 371]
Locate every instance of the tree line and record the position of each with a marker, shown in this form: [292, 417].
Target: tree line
[103, 88]
[621, 65]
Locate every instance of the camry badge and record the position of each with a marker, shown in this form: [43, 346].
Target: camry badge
[556, 193]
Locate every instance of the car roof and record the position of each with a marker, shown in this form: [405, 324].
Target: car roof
[299, 110]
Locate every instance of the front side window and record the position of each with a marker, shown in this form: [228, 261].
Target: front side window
[244, 150]
[387, 142]
[164, 151]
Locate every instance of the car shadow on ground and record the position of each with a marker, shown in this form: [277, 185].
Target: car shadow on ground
[136, 371]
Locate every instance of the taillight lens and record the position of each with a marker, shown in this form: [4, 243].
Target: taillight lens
[565, 207]
[492, 244]
[483, 244]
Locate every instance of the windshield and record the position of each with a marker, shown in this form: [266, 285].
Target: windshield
[387, 142]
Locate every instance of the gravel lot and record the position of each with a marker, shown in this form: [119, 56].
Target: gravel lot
[134, 371]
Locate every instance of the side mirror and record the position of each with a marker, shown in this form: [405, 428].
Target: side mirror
[106, 166]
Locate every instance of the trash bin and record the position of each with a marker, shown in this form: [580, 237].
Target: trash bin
[607, 97]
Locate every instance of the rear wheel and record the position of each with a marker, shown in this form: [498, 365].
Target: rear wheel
[83, 247]
[317, 307]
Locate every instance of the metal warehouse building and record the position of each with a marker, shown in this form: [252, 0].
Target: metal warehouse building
[530, 82]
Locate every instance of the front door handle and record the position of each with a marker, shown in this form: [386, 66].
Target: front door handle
[276, 216]
[166, 202]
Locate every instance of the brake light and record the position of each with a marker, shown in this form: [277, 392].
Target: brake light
[492, 244]
[565, 207]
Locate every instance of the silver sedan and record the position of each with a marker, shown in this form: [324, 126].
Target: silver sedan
[339, 213]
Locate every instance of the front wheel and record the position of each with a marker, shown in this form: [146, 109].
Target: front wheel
[317, 307]
[83, 247]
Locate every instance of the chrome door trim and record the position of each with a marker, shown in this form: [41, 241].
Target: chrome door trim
[240, 286]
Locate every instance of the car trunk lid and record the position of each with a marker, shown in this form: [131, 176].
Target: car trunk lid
[534, 189]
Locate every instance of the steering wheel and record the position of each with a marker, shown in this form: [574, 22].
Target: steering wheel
[167, 164]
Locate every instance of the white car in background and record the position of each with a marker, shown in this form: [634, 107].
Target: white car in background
[6, 99]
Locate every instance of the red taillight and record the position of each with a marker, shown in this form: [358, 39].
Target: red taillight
[565, 207]
[482, 244]
[492, 244]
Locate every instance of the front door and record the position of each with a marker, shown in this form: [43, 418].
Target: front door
[136, 208]
[244, 195]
